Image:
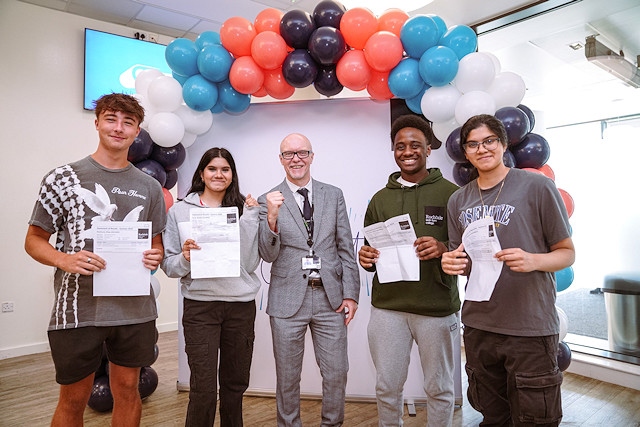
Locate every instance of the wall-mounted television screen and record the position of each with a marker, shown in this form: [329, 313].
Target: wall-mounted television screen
[112, 62]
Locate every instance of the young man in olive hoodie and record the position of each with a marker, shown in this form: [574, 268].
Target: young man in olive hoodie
[423, 311]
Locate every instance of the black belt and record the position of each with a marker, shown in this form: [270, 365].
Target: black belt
[315, 282]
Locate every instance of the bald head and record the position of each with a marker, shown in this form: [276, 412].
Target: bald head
[296, 156]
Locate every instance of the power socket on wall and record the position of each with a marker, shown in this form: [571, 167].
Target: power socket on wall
[7, 307]
[148, 37]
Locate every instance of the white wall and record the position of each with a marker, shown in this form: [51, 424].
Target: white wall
[43, 125]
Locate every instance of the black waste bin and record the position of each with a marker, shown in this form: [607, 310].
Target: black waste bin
[622, 302]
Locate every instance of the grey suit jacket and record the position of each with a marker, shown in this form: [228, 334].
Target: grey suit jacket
[332, 241]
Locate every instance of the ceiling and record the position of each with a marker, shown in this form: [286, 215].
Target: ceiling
[560, 82]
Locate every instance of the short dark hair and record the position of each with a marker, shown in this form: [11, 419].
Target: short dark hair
[493, 124]
[412, 121]
[119, 102]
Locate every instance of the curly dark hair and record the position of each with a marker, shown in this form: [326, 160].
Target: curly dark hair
[412, 121]
[232, 196]
[119, 102]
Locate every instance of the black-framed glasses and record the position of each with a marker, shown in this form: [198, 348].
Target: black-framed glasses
[489, 144]
[302, 154]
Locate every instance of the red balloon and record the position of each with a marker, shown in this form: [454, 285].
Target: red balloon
[392, 20]
[357, 25]
[568, 201]
[353, 71]
[268, 20]
[245, 75]
[168, 198]
[378, 86]
[383, 51]
[236, 35]
[260, 93]
[276, 85]
[547, 171]
[269, 50]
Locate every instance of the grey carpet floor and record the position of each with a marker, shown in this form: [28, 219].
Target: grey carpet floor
[586, 312]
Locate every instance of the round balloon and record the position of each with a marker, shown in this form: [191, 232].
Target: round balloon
[328, 13]
[245, 75]
[414, 103]
[352, 70]
[568, 201]
[564, 356]
[464, 173]
[148, 381]
[236, 35]
[182, 56]
[357, 25]
[475, 72]
[166, 129]
[299, 69]
[443, 129]
[195, 122]
[169, 157]
[326, 45]
[454, 147]
[564, 323]
[419, 34]
[473, 103]
[508, 159]
[276, 85]
[199, 93]
[564, 278]
[530, 115]
[439, 103]
[164, 93]
[438, 66]
[141, 147]
[207, 38]
[515, 122]
[232, 101]
[101, 399]
[214, 63]
[547, 171]
[269, 50]
[461, 39]
[404, 79]
[144, 79]
[507, 89]
[172, 180]
[383, 51]
[392, 20]
[327, 82]
[153, 169]
[532, 152]
[378, 86]
[296, 27]
[268, 20]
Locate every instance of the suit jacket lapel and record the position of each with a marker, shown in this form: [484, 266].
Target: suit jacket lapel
[318, 196]
[293, 208]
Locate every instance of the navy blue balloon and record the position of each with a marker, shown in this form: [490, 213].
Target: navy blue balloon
[153, 169]
[169, 157]
[464, 173]
[532, 152]
[172, 179]
[141, 147]
[148, 381]
[529, 113]
[508, 159]
[327, 83]
[454, 147]
[326, 45]
[296, 26]
[515, 122]
[299, 69]
[328, 13]
[101, 399]
[564, 356]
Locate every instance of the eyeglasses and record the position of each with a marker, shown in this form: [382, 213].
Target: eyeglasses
[489, 144]
[303, 154]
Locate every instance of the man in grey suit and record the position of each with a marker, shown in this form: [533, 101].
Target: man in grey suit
[314, 281]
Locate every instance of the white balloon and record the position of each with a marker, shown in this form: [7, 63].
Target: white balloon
[564, 323]
[188, 139]
[196, 122]
[508, 89]
[475, 72]
[144, 78]
[473, 103]
[164, 93]
[166, 129]
[155, 284]
[438, 103]
[148, 110]
[496, 62]
[442, 130]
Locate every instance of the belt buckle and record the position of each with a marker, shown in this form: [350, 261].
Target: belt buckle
[315, 282]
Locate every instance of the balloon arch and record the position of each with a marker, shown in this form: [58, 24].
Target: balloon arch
[435, 69]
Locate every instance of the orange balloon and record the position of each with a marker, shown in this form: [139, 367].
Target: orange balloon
[547, 171]
[245, 75]
[268, 20]
[352, 70]
[168, 198]
[276, 85]
[383, 51]
[269, 50]
[568, 201]
[236, 35]
[392, 20]
[357, 25]
[260, 93]
[378, 86]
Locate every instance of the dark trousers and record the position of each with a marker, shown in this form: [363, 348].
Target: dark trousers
[513, 381]
[211, 327]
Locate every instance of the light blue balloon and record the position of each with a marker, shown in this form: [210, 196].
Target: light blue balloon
[564, 278]
[179, 78]
[442, 26]
[404, 79]
[438, 66]
[418, 34]
[233, 101]
[199, 93]
[207, 38]
[414, 104]
[182, 56]
[218, 108]
[214, 63]
[461, 39]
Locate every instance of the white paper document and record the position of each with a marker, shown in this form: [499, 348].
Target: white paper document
[394, 239]
[481, 244]
[217, 232]
[121, 245]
